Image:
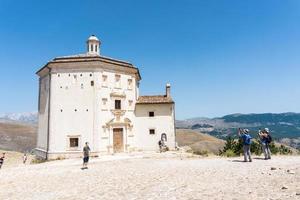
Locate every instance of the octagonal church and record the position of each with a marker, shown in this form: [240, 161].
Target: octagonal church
[95, 99]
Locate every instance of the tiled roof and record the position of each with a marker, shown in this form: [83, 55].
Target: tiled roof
[157, 99]
[88, 56]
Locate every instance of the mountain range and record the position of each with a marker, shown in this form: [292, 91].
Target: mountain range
[25, 117]
[284, 127]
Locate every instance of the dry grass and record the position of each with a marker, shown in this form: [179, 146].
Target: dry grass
[17, 137]
[199, 142]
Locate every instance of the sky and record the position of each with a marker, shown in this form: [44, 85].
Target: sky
[220, 56]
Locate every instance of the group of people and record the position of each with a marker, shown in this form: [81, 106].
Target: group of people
[265, 139]
[163, 147]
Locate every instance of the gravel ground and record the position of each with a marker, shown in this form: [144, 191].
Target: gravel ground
[154, 177]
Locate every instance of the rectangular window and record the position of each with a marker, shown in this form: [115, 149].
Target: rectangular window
[130, 84]
[92, 83]
[118, 104]
[118, 81]
[130, 102]
[104, 101]
[74, 142]
[151, 114]
[104, 80]
[151, 131]
[104, 104]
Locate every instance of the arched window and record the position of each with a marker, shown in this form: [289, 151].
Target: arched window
[92, 49]
[96, 48]
[164, 137]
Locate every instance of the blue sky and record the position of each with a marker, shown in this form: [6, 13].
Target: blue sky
[221, 56]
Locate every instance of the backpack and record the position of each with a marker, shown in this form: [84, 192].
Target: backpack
[247, 139]
[269, 139]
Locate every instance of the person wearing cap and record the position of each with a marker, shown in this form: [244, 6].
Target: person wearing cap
[265, 141]
[246, 138]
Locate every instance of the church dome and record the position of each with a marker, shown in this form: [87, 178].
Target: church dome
[93, 37]
[93, 45]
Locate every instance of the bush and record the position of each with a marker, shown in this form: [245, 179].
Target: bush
[236, 147]
[256, 147]
[229, 153]
[201, 153]
[37, 161]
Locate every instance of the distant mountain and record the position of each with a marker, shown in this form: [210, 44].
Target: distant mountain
[285, 127]
[26, 118]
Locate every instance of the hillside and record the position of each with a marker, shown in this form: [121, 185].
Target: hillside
[199, 142]
[285, 127]
[17, 136]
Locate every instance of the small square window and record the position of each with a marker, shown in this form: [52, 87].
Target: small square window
[151, 114]
[151, 131]
[74, 142]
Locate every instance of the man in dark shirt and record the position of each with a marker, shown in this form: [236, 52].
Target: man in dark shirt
[86, 155]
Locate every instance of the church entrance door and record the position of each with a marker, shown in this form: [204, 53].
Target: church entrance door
[118, 140]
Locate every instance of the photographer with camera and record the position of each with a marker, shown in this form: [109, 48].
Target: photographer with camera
[265, 139]
[246, 138]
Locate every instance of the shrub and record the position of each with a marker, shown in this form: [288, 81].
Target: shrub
[201, 153]
[37, 161]
[229, 153]
[256, 147]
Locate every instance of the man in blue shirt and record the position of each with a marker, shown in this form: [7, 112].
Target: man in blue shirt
[246, 139]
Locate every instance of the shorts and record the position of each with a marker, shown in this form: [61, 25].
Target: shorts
[85, 159]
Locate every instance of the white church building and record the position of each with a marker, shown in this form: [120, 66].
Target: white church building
[95, 99]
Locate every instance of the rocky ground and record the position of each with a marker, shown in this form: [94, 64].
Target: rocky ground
[154, 176]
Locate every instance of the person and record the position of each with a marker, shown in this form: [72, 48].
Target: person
[2, 160]
[246, 139]
[86, 155]
[266, 139]
[160, 146]
[24, 158]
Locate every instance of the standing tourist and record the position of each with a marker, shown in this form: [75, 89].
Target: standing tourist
[86, 155]
[266, 139]
[246, 138]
